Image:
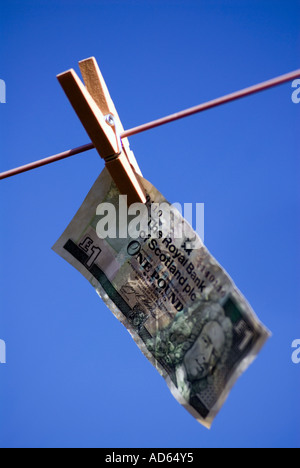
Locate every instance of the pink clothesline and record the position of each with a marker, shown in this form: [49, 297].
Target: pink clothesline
[156, 123]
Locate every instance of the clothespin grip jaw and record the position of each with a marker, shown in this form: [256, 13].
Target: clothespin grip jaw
[119, 164]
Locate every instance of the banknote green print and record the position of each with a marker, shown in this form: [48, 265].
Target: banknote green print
[181, 308]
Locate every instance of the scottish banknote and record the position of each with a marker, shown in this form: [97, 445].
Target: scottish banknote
[181, 308]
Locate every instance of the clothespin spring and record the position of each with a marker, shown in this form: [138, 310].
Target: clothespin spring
[111, 121]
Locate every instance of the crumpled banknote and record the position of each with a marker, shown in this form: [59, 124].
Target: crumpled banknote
[180, 306]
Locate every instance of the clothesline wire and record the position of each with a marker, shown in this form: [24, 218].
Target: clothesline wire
[156, 123]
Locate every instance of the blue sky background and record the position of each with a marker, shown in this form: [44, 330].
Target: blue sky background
[74, 377]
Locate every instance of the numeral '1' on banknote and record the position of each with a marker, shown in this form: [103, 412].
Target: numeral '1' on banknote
[181, 308]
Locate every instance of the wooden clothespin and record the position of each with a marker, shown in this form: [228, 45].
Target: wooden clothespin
[97, 113]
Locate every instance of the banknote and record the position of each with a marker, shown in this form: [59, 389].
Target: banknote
[179, 305]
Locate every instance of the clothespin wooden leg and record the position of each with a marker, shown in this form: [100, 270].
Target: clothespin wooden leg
[97, 88]
[102, 136]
